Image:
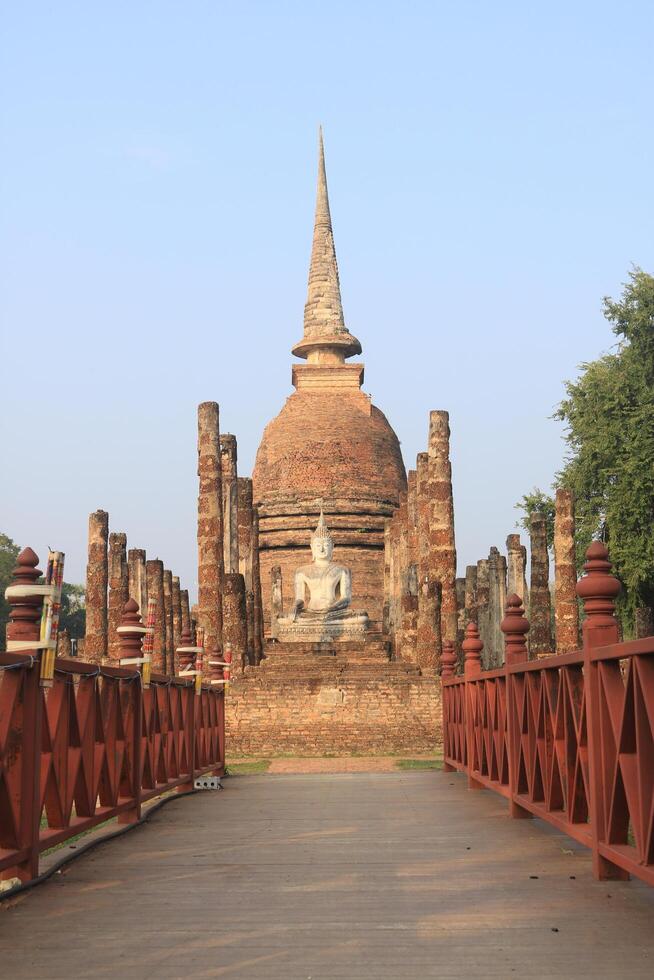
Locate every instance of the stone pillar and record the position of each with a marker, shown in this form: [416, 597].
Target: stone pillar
[256, 589]
[245, 510]
[186, 611]
[566, 610]
[461, 612]
[483, 618]
[516, 568]
[409, 614]
[442, 550]
[64, 647]
[154, 572]
[249, 619]
[540, 603]
[230, 501]
[177, 613]
[97, 575]
[234, 620]
[168, 612]
[210, 527]
[276, 597]
[429, 623]
[428, 644]
[493, 655]
[470, 600]
[386, 609]
[138, 589]
[118, 590]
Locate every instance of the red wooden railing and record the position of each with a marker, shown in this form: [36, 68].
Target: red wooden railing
[570, 738]
[96, 744]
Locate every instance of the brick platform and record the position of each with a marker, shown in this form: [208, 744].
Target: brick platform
[313, 700]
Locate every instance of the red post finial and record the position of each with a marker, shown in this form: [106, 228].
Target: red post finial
[25, 610]
[472, 647]
[515, 627]
[130, 632]
[448, 659]
[598, 589]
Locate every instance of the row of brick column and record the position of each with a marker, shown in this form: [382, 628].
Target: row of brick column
[421, 610]
[554, 626]
[113, 576]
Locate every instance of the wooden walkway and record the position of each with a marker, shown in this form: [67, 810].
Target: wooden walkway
[382, 875]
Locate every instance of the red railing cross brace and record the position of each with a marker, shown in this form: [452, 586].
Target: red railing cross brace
[567, 738]
[98, 743]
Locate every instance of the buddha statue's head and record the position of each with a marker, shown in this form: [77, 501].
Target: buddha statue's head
[322, 544]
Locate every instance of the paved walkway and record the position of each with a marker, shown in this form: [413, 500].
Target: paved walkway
[382, 876]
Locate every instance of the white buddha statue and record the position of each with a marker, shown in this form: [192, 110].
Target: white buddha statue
[323, 593]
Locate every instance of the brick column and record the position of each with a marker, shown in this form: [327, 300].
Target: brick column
[64, 648]
[138, 589]
[461, 621]
[429, 623]
[210, 526]
[428, 643]
[494, 651]
[249, 622]
[118, 590]
[470, 600]
[409, 613]
[154, 572]
[516, 568]
[540, 603]
[234, 620]
[276, 597]
[483, 588]
[566, 611]
[442, 550]
[177, 613]
[244, 488]
[256, 589]
[386, 609]
[228, 468]
[97, 576]
[168, 611]
[185, 611]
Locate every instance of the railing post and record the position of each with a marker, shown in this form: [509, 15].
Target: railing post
[130, 636]
[24, 626]
[448, 667]
[515, 628]
[598, 589]
[472, 647]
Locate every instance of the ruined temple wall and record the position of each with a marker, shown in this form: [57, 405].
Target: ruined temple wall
[314, 715]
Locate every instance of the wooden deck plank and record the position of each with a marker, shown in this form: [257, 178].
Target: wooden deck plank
[382, 875]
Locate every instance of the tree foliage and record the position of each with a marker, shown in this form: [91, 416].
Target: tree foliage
[609, 418]
[8, 555]
[537, 502]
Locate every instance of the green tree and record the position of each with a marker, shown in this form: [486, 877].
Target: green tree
[8, 555]
[609, 418]
[72, 616]
[537, 502]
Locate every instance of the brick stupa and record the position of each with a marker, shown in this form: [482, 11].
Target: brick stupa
[329, 445]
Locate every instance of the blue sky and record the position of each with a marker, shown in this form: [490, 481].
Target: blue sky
[490, 171]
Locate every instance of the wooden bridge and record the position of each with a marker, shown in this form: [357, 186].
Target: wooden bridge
[353, 876]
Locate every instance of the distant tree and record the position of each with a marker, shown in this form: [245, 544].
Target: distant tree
[8, 555]
[72, 616]
[537, 502]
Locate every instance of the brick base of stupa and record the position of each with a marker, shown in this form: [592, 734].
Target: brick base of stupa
[324, 699]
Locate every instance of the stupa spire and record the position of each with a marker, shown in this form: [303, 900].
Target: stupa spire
[325, 332]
